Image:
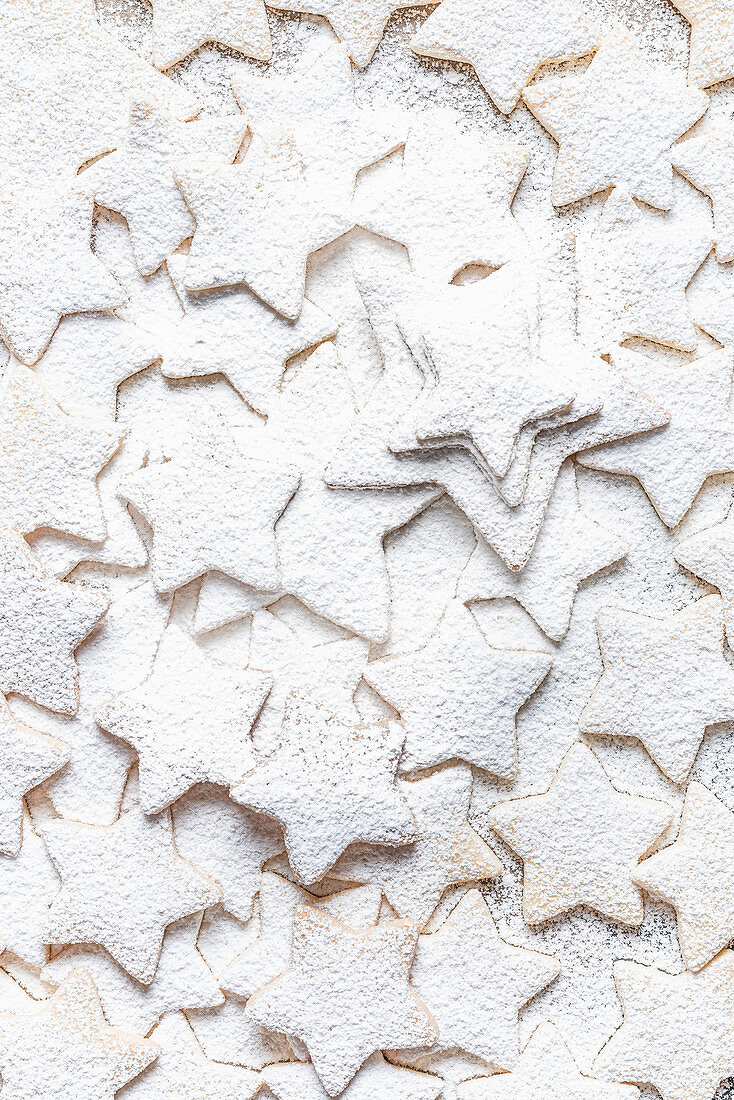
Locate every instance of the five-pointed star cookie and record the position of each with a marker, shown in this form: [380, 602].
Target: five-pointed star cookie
[182, 979]
[28, 885]
[678, 1029]
[546, 1069]
[65, 90]
[488, 379]
[117, 654]
[65, 1047]
[709, 553]
[506, 43]
[42, 621]
[210, 508]
[580, 841]
[299, 1081]
[451, 204]
[122, 884]
[137, 179]
[316, 105]
[446, 852]
[179, 29]
[257, 223]
[458, 696]
[695, 875]
[358, 25]
[232, 332]
[183, 1070]
[615, 124]
[665, 681]
[673, 463]
[49, 461]
[189, 722]
[346, 994]
[27, 757]
[712, 40]
[708, 162]
[270, 954]
[570, 548]
[634, 268]
[90, 354]
[298, 664]
[228, 842]
[47, 268]
[330, 783]
[475, 984]
[327, 538]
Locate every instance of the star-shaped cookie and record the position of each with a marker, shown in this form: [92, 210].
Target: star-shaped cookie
[673, 463]
[569, 550]
[634, 268]
[210, 508]
[451, 204]
[299, 1081]
[232, 332]
[183, 1070]
[122, 884]
[546, 1068]
[270, 954]
[182, 979]
[316, 105]
[712, 40]
[458, 696]
[42, 621]
[708, 161]
[137, 179]
[694, 875]
[90, 354]
[65, 1047]
[189, 722]
[678, 1029]
[257, 223]
[346, 994]
[330, 783]
[47, 268]
[709, 553]
[580, 841]
[49, 461]
[179, 29]
[615, 123]
[506, 43]
[358, 25]
[228, 842]
[27, 757]
[65, 90]
[447, 851]
[475, 984]
[328, 537]
[665, 681]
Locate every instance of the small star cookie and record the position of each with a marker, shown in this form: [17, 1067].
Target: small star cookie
[615, 124]
[447, 851]
[346, 994]
[475, 984]
[712, 40]
[458, 696]
[695, 876]
[665, 681]
[708, 162]
[506, 43]
[330, 783]
[64, 1047]
[122, 884]
[580, 841]
[47, 268]
[678, 1029]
